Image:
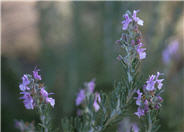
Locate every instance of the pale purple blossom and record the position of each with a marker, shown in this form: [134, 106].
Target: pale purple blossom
[96, 101]
[28, 100]
[137, 19]
[150, 86]
[33, 95]
[160, 84]
[159, 81]
[157, 106]
[51, 101]
[44, 95]
[138, 101]
[25, 82]
[91, 86]
[150, 97]
[140, 112]
[35, 74]
[126, 21]
[80, 97]
[159, 98]
[141, 51]
[146, 105]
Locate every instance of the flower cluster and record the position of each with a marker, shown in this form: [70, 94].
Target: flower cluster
[34, 93]
[86, 93]
[132, 35]
[150, 97]
[129, 19]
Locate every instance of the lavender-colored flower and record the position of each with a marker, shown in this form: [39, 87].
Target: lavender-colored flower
[137, 19]
[160, 84]
[33, 93]
[138, 101]
[96, 106]
[25, 82]
[141, 51]
[150, 96]
[96, 101]
[91, 86]
[159, 81]
[126, 21]
[157, 106]
[135, 128]
[80, 97]
[28, 100]
[138, 41]
[45, 94]
[51, 101]
[150, 86]
[146, 105]
[35, 74]
[159, 98]
[140, 112]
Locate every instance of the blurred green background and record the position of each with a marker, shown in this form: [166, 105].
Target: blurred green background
[73, 42]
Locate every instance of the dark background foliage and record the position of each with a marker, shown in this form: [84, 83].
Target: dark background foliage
[73, 42]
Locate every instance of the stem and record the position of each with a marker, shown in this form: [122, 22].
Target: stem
[149, 123]
[109, 120]
[44, 120]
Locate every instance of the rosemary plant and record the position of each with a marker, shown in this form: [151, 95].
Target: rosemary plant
[98, 111]
[36, 97]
